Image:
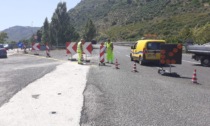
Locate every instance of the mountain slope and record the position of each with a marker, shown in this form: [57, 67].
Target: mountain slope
[17, 33]
[130, 19]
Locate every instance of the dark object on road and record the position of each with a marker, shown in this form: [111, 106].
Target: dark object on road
[3, 52]
[167, 73]
[200, 53]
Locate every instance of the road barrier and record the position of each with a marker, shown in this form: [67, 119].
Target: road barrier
[47, 50]
[102, 55]
[87, 50]
[35, 48]
[71, 48]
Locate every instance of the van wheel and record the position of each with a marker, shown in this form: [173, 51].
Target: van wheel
[131, 57]
[205, 62]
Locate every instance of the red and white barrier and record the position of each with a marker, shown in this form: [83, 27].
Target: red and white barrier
[71, 48]
[102, 53]
[47, 50]
[35, 46]
[87, 48]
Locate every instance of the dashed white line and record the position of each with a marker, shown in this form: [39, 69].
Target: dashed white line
[127, 56]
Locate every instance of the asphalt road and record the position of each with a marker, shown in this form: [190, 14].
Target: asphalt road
[116, 97]
[17, 71]
[119, 97]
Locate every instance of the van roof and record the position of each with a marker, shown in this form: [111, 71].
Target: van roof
[151, 40]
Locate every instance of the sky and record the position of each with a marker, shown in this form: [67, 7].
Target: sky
[29, 12]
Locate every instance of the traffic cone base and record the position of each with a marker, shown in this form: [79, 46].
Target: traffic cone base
[134, 68]
[116, 65]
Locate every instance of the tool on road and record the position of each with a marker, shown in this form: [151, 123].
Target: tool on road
[194, 78]
[116, 65]
[134, 67]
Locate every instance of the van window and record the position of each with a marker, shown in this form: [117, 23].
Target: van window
[154, 45]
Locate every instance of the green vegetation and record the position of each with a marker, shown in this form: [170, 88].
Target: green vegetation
[61, 28]
[129, 20]
[90, 31]
[3, 37]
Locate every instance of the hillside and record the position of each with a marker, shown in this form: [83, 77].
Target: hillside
[131, 19]
[17, 33]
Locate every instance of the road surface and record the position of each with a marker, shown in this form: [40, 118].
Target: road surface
[112, 97]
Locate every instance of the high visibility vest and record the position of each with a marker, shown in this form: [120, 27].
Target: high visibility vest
[108, 46]
[79, 47]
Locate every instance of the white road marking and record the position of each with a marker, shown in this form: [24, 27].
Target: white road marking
[190, 62]
[54, 100]
[127, 56]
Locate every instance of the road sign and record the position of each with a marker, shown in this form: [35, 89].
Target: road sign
[71, 48]
[36, 46]
[87, 48]
[171, 54]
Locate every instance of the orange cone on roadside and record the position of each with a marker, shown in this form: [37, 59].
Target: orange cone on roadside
[194, 78]
[116, 65]
[134, 67]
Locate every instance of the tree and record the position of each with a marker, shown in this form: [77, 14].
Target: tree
[61, 29]
[46, 32]
[90, 31]
[39, 35]
[3, 37]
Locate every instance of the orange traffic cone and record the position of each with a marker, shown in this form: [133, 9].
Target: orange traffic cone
[116, 65]
[134, 67]
[194, 78]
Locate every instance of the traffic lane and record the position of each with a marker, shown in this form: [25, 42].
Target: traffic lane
[185, 70]
[19, 70]
[121, 97]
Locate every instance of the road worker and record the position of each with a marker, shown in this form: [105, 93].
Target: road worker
[109, 51]
[80, 50]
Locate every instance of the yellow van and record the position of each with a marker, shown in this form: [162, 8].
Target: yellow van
[145, 51]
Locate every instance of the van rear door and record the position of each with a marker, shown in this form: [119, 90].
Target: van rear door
[152, 51]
